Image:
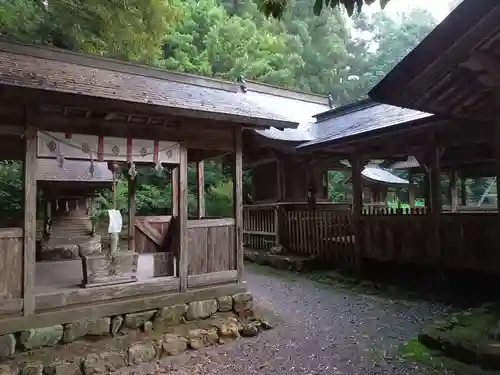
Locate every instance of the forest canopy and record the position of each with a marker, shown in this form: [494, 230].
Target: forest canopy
[327, 53]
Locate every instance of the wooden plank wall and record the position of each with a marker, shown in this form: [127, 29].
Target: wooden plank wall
[398, 235]
[470, 241]
[211, 246]
[11, 270]
[145, 241]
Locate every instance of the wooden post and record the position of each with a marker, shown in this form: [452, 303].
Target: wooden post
[278, 181]
[132, 187]
[453, 191]
[29, 222]
[238, 201]
[463, 191]
[411, 189]
[357, 206]
[435, 201]
[182, 208]
[174, 183]
[200, 186]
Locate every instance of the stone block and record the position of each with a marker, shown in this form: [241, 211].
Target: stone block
[141, 353]
[91, 247]
[137, 320]
[59, 252]
[174, 344]
[171, 315]
[199, 338]
[116, 324]
[32, 369]
[225, 303]
[243, 302]
[250, 330]
[63, 368]
[94, 327]
[7, 345]
[40, 337]
[103, 363]
[8, 370]
[201, 309]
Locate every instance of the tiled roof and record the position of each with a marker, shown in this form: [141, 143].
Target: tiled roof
[67, 72]
[362, 117]
[72, 171]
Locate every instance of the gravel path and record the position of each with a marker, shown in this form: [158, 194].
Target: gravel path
[320, 330]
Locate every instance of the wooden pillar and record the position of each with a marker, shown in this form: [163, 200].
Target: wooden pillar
[463, 191]
[411, 189]
[182, 209]
[357, 206]
[453, 191]
[29, 222]
[132, 187]
[238, 201]
[435, 200]
[174, 183]
[279, 187]
[200, 187]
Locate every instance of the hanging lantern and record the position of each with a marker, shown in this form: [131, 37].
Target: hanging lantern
[132, 172]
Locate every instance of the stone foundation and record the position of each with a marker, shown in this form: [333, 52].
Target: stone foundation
[109, 343]
[279, 261]
[58, 249]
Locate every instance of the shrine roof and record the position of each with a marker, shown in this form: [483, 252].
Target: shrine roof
[82, 75]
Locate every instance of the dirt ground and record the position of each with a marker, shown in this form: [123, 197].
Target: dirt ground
[319, 330]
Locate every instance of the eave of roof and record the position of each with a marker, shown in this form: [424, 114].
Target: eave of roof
[50, 69]
[360, 120]
[449, 44]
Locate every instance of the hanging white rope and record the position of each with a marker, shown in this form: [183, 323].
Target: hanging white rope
[92, 152]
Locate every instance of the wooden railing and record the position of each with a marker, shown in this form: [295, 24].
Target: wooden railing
[11, 270]
[260, 226]
[325, 234]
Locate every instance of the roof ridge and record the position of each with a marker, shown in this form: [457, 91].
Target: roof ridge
[101, 62]
[265, 88]
[346, 109]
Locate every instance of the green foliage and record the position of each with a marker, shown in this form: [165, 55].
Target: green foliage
[325, 53]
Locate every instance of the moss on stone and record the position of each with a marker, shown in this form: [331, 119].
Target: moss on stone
[466, 337]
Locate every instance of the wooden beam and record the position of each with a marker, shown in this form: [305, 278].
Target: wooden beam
[183, 219]
[200, 187]
[29, 221]
[174, 184]
[238, 201]
[357, 205]
[132, 187]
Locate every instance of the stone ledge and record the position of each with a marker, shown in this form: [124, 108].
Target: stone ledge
[107, 344]
[471, 337]
[112, 354]
[279, 261]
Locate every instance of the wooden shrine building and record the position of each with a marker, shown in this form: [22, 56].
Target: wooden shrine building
[66, 230]
[448, 87]
[290, 185]
[98, 110]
